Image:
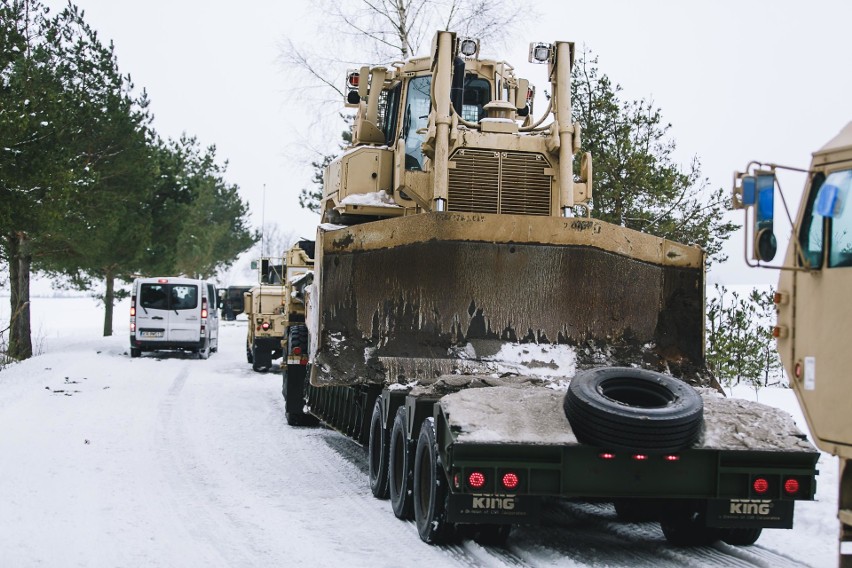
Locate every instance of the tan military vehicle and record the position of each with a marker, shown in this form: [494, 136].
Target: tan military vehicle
[813, 297]
[271, 308]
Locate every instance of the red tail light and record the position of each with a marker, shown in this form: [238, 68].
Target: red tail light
[203, 308]
[760, 485]
[132, 327]
[791, 486]
[476, 479]
[297, 351]
[640, 457]
[607, 456]
[132, 306]
[265, 325]
[671, 458]
[510, 480]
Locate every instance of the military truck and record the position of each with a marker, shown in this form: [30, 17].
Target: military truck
[494, 346]
[812, 298]
[271, 309]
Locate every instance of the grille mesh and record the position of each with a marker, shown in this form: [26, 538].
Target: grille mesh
[485, 181]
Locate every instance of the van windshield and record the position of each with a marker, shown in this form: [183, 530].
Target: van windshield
[168, 296]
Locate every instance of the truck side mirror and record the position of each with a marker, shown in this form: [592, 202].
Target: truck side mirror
[765, 244]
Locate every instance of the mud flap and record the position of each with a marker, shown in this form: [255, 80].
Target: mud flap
[493, 509]
[750, 513]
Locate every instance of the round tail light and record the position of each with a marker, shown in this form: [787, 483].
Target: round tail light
[265, 325]
[510, 480]
[476, 479]
[791, 486]
[760, 485]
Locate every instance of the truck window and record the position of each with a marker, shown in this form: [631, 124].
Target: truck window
[810, 233]
[414, 118]
[388, 111]
[840, 242]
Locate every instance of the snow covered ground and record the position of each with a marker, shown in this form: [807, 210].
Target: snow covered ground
[170, 461]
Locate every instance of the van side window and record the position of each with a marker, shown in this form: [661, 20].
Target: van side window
[212, 299]
[184, 297]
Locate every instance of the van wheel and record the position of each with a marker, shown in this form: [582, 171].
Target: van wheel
[134, 352]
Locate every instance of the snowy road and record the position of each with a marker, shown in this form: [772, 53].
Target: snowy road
[171, 461]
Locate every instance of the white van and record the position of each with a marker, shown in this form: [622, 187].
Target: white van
[172, 313]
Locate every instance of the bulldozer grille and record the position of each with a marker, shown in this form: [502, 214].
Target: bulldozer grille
[512, 183]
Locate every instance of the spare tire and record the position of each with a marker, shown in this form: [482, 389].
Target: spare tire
[622, 408]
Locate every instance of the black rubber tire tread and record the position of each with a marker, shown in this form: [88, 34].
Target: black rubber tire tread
[740, 536]
[134, 352]
[685, 526]
[491, 535]
[400, 471]
[297, 336]
[624, 408]
[430, 489]
[377, 453]
[293, 405]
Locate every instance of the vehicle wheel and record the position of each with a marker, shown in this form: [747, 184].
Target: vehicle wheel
[399, 468]
[249, 354]
[623, 408]
[430, 489]
[204, 352]
[297, 337]
[377, 451]
[293, 390]
[260, 358]
[636, 510]
[134, 352]
[490, 535]
[740, 537]
[685, 526]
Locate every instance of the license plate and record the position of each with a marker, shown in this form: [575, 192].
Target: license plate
[151, 334]
[765, 513]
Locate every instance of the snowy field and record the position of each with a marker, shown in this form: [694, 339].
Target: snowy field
[109, 461]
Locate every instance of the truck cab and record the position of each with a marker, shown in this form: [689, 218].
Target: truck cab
[812, 301]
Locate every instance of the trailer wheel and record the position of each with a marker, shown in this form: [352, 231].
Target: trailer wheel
[490, 535]
[378, 453]
[624, 408]
[430, 489]
[293, 391]
[684, 525]
[399, 468]
[740, 536]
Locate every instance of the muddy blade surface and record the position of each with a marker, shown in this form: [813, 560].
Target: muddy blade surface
[413, 311]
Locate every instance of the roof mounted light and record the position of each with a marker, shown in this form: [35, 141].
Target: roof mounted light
[540, 52]
[469, 47]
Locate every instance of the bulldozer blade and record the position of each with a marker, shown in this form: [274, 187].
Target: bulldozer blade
[432, 294]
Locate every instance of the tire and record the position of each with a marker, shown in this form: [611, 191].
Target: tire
[259, 356]
[297, 336]
[430, 489]
[293, 390]
[490, 535]
[249, 354]
[399, 468]
[134, 352]
[637, 510]
[684, 525]
[740, 536]
[204, 352]
[622, 408]
[377, 452]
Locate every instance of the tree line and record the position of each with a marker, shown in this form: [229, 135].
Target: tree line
[90, 193]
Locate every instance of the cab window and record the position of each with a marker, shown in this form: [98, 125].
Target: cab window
[477, 93]
[810, 233]
[416, 117]
[832, 201]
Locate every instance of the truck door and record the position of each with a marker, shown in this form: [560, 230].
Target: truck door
[184, 324]
[822, 355]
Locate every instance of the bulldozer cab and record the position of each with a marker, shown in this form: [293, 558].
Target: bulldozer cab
[812, 300]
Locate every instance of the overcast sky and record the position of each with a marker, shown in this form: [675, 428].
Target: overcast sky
[738, 80]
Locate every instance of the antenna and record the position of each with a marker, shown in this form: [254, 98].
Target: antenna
[262, 218]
